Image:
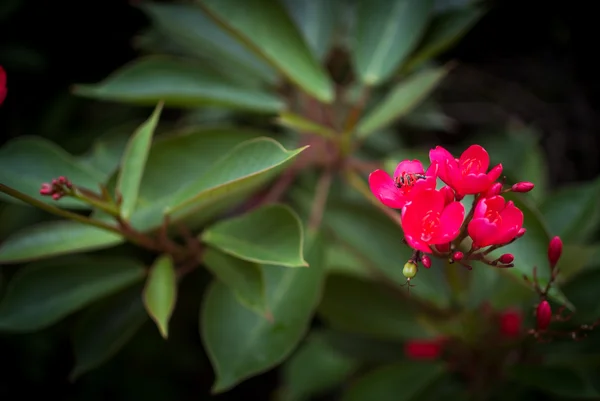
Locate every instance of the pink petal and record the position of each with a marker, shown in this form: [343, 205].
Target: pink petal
[442, 157]
[479, 154]
[471, 184]
[417, 244]
[495, 173]
[409, 166]
[427, 183]
[512, 222]
[450, 222]
[432, 170]
[482, 232]
[385, 190]
[496, 203]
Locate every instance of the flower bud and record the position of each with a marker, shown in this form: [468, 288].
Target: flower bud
[494, 190]
[448, 194]
[458, 255]
[521, 232]
[426, 260]
[423, 349]
[543, 315]
[410, 270]
[554, 251]
[506, 258]
[522, 187]
[510, 323]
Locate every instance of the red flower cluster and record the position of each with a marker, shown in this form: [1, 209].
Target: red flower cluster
[3, 89]
[58, 188]
[434, 220]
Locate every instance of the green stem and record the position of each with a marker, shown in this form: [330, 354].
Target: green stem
[106, 207]
[57, 211]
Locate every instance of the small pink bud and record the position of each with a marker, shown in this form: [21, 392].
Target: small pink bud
[506, 258]
[458, 255]
[543, 315]
[448, 194]
[522, 186]
[426, 260]
[521, 232]
[554, 251]
[494, 190]
[56, 196]
[46, 189]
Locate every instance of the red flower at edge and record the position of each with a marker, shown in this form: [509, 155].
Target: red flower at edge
[395, 193]
[466, 175]
[429, 221]
[495, 222]
[3, 89]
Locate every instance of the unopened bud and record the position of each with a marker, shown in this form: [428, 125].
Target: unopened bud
[494, 190]
[426, 260]
[448, 194]
[458, 255]
[521, 233]
[46, 189]
[56, 196]
[554, 251]
[543, 315]
[410, 270]
[522, 186]
[506, 258]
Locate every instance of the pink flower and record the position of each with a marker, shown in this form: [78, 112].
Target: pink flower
[510, 323]
[466, 175]
[3, 89]
[424, 349]
[409, 175]
[429, 221]
[495, 222]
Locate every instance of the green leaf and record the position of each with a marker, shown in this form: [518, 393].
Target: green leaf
[134, 162]
[558, 381]
[313, 369]
[107, 151]
[316, 21]
[271, 234]
[582, 292]
[245, 279]
[403, 98]
[42, 293]
[106, 328]
[246, 344]
[573, 211]
[27, 162]
[446, 29]
[401, 381]
[189, 27]
[266, 28]
[363, 307]
[340, 261]
[54, 238]
[386, 32]
[179, 83]
[160, 293]
[303, 125]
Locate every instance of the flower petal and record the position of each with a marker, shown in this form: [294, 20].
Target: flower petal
[482, 231]
[432, 170]
[478, 154]
[417, 244]
[410, 167]
[512, 221]
[495, 173]
[442, 157]
[385, 190]
[471, 184]
[450, 222]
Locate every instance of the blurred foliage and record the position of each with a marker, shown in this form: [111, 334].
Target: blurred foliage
[265, 103]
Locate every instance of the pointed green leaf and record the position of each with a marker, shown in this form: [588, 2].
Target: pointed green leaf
[385, 33]
[317, 22]
[271, 234]
[245, 344]
[27, 162]
[357, 306]
[266, 28]
[403, 98]
[160, 293]
[402, 381]
[179, 83]
[106, 152]
[106, 328]
[134, 162]
[303, 125]
[445, 30]
[189, 27]
[245, 279]
[316, 367]
[42, 293]
[54, 238]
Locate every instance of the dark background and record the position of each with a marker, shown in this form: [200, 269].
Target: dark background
[529, 60]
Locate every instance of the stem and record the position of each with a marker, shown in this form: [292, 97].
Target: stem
[59, 212]
[320, 200]
[463, 230]
[352, 119]
[82, 195]
[357, 183]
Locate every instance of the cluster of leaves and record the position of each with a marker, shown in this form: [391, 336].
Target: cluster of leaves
[260, 81]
